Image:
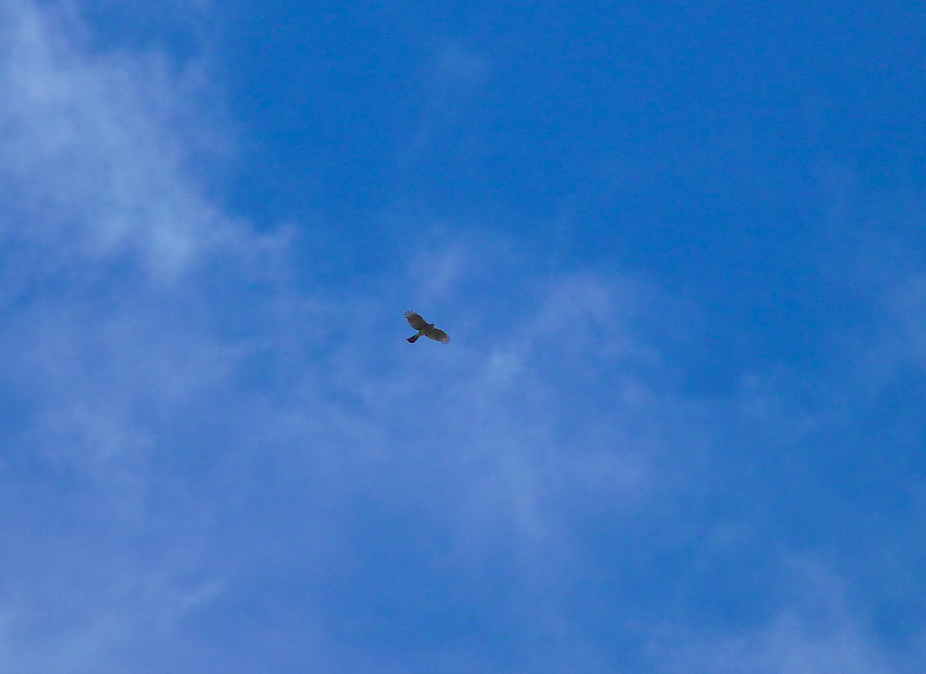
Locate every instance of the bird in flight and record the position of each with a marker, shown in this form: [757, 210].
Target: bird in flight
[425, 329]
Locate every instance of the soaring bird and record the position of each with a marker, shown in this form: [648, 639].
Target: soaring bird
[425, 329]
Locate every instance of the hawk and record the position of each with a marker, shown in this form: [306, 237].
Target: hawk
[425, 329]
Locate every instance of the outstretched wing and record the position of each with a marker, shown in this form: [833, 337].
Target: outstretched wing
[415, 320]
[438, 335]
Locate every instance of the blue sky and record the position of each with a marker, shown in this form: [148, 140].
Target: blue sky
[678, 248]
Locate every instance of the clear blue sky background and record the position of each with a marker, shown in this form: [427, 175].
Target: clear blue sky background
[679, 249]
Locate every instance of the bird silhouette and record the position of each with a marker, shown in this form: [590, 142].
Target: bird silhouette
[425, 329]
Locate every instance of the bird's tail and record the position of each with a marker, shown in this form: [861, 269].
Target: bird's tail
[414, 339]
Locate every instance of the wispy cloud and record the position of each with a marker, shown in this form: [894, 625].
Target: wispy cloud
[816, 630]
[92, 161]
[157, 356]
